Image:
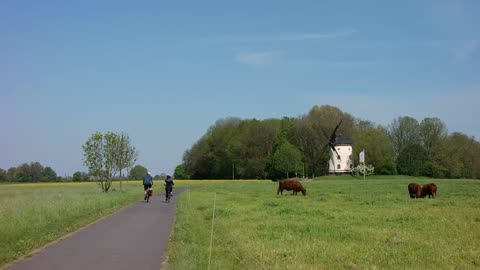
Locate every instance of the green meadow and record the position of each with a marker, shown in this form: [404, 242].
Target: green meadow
[32, 215]
[342, 223]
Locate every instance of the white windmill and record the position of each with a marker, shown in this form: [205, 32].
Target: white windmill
[340, 161]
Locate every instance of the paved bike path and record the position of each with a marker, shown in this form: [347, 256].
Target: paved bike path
[132, 238]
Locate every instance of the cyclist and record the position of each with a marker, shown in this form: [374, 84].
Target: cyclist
[168, 186]
[147, 183]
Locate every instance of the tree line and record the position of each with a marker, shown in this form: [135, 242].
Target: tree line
[35, 172]
[29, 172]
[278, 148]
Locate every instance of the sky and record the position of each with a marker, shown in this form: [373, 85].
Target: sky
[165, 71]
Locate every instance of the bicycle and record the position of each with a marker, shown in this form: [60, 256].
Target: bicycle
[168, 194]
[149, 194]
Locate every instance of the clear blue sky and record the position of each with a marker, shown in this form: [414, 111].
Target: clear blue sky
[164, 72]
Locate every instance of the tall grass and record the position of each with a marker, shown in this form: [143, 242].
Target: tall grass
[347, 224]
[32, 215]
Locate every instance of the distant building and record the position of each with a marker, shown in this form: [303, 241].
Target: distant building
[341, 163]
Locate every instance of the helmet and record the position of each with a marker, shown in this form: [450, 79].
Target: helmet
[148, 172]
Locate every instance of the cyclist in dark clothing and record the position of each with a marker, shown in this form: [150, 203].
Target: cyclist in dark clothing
[168, 186]
[147, 183]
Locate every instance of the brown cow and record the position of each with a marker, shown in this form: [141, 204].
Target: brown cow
[434, 189]
[430, 190]
[415, 190]
[289, 184]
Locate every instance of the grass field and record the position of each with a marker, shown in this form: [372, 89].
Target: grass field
[32, 215]
[340, 224]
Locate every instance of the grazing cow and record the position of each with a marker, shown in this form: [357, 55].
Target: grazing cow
[415, 190]
[289, 184]
[430, 190]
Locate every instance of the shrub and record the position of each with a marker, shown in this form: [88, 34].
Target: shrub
[360, 169]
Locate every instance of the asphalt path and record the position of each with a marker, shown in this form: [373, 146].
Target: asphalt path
[133, 238]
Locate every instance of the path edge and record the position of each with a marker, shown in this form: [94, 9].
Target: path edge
[61, 238]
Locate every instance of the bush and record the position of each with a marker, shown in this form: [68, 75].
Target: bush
[368, 169]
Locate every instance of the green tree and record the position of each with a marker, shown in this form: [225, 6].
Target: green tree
[125, 154]
[23, 173]
[410, 154]
[377, 144]
[463, 156]
[286, 158]
[3, 175]
[433, 134]
[48, 174]
[209, 157]
[137, 172]
[77, 177]
[404, 131]
[100, 153]
[181, 172]
[36, 170]
[11, 174]
[80, 177]
[250, 147]
[309, 141]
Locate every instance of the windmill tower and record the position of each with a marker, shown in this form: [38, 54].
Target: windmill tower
[340, 161]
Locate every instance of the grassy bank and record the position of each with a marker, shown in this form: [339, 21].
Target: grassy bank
[348, 224]
[32, 215]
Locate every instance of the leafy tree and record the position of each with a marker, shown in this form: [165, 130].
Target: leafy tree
[433, 134]
[137, 172]
[208, 158]
[463, 154]
[3, 175]
[181, 172]
[310, 143]
[406, 138]
[23, 173]
[378, 147]
[125, 154]
[80, 177]
[48, 174]
[251, 147]
[107, 154]
[157, 177]
[99, 158]
[404, 132]
[36, 170]
[11, 174]
[411, 160]
[77, 177]
[286, 158]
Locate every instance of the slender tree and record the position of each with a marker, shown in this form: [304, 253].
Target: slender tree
[126, 154]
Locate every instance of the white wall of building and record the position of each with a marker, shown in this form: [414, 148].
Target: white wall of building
[344, 164]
